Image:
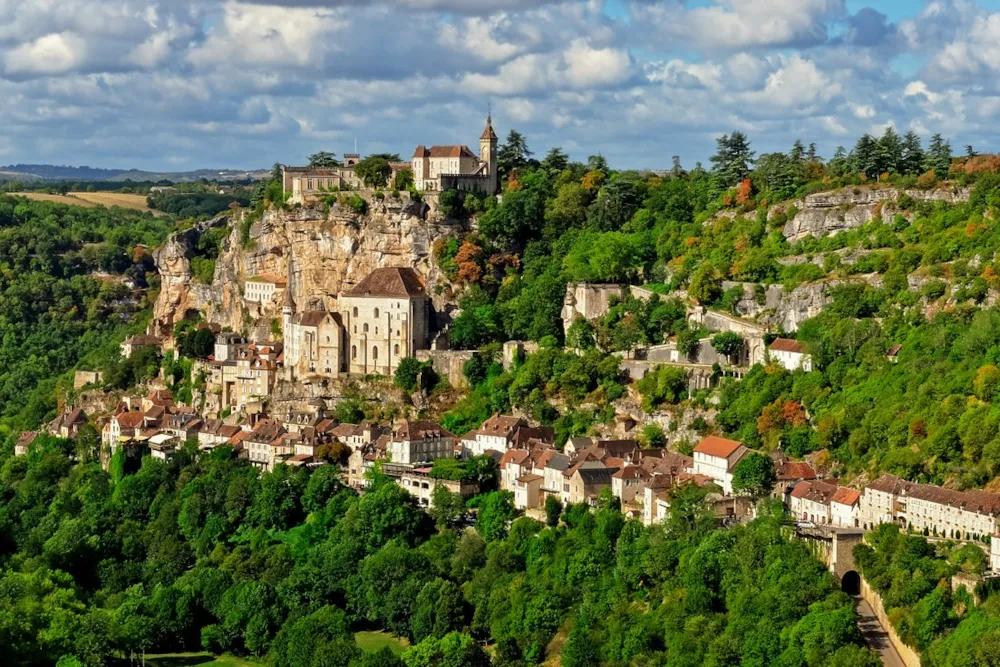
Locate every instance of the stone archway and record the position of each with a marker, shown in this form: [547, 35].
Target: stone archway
[850, 583]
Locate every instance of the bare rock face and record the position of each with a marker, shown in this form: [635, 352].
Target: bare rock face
[826, 213]
[180, 294]
[324, 252]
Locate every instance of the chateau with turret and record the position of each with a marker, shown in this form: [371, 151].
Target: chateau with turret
[435, 169]
[441, 168]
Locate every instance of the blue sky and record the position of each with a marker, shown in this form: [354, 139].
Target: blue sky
[183, 84]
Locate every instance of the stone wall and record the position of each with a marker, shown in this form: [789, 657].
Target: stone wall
[83, 378]
[448, 364]
[909, 655]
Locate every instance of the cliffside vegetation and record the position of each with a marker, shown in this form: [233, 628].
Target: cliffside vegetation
[73, 283]
[204, 551]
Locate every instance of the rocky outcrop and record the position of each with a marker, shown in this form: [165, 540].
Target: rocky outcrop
[826, 213]
[180, 294]
[325, 252]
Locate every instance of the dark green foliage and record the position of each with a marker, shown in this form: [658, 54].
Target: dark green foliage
[754, 475]
[207, 552]
[53, 314]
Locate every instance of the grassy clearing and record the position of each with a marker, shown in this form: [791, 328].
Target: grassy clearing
[369, 642]
[91, 199]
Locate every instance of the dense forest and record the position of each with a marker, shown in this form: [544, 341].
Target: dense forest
[73, 282]
[923, 279]
[206, 551]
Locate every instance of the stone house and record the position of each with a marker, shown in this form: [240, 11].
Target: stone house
[501, 433]
[417, 481]
[586, 484]
[810, 501]
[133, 343]
[420, 442]
[629, 482]
[528, 491]
[24, 442]
[68, 423]
[844, 507]
[929, 509]
[263, 447]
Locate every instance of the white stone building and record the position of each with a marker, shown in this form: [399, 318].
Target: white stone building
[261, 289]
[716, 458]
[922, 508]
[790, 354]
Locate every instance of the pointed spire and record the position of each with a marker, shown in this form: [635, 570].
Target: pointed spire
[488, 133]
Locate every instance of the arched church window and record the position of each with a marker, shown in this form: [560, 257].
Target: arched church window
[355, 311]
[376, 312]
[366, 327]
[354, 352]
[375, 353]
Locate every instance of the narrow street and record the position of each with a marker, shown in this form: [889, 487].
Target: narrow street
[875, 635]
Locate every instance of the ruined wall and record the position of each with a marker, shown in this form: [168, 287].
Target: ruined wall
[449, 364]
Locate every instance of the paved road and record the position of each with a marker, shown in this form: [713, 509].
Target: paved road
[875, 635]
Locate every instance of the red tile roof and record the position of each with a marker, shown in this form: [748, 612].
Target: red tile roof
[846, 496]
[786, 345]
[722, 448]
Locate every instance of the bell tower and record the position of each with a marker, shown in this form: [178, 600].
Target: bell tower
[488, 154]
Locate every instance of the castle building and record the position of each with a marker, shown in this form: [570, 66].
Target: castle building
[305, 182]
[441, 168]
[378, 322]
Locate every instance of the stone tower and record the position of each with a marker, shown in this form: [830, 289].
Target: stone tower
[488, 154]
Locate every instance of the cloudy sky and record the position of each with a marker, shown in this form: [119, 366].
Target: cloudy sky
[182, 84]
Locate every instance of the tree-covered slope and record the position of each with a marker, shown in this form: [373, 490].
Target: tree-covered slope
[63, 295]
[205, 551]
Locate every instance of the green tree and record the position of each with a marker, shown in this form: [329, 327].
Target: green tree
[706, 285]
[754, 475]
[323, 160]
[728, 343]
[513, 155]
[732, 160]
[374, 172]
[496, 509]
[553, 510]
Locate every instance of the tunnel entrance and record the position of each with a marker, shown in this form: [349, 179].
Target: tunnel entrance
[851, 583]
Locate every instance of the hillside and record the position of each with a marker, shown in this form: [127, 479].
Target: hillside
[48, 172]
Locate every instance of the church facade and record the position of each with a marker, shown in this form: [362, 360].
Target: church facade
[381, 320]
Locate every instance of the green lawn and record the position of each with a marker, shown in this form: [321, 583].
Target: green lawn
[373, 641]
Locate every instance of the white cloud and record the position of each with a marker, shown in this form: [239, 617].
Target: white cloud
[741, 24]
[51, 54]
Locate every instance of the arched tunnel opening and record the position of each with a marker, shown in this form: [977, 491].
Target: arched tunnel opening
[851, 583]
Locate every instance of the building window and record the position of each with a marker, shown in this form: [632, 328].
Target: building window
[355, 311]
[376, 331]
[354, 352]
[395, 349]
[366, 327]
[376, 312]
[375, 353]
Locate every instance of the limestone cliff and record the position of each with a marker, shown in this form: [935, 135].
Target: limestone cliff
[325, 251]
[826, 213]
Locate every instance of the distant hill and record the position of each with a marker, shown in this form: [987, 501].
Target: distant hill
[48, 172]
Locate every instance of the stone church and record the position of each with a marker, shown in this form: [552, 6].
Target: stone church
[381, 320]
